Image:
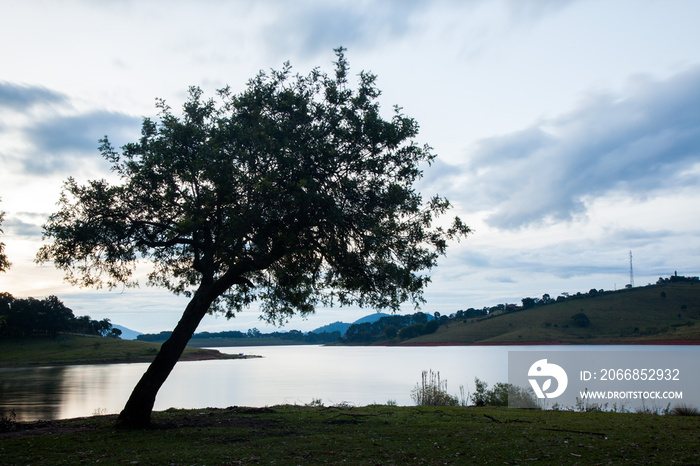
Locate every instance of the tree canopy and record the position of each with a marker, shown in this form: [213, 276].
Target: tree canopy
[294, 193]
[30, 317]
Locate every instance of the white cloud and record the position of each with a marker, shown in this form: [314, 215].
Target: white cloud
[640, 143]
[558, 159]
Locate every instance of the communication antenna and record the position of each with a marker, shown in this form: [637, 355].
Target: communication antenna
[631, 272]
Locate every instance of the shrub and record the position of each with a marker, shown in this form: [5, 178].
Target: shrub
[431, 391]
[685, 410]
[581, 320]
[497, 396]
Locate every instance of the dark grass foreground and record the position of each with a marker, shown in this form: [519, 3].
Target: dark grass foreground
[365, 435]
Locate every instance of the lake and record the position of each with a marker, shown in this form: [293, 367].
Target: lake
[284, 375]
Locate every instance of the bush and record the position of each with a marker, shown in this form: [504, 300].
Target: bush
[501, 394]
[497, 396]
[431, 391]
[685, 410]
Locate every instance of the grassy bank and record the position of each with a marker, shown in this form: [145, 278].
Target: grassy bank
[77, 349]
[644, 315]
[366, 435]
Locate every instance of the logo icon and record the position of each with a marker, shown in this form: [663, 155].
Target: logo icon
[543, 370]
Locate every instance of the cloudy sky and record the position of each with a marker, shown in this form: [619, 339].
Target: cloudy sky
[568, 132]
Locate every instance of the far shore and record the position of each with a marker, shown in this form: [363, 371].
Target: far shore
[552, 343]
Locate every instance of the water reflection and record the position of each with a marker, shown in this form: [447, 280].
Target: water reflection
[31, 393]
[295, 375]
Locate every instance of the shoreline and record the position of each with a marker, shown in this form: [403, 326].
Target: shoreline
[554, 343]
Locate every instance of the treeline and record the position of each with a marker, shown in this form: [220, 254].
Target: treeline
[292, 336]
[403, 327]
[30, 317]
[392, 327]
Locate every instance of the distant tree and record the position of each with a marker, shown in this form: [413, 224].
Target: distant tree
[581, 320]
[529, 303]
[411, 331]
[4, 263]
[391, 332]
[294, 193]
[430, 327]
[35, 317]
[419, 318]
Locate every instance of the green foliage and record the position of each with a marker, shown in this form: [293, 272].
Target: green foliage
[248, 338]
[502, 394]
[411, 331]
[391, 332]
[581, 320]
[403, 326]
[46, 317]
[497, 396]
[236, 194]
[294, 193]
[431, 391]
[430, 327]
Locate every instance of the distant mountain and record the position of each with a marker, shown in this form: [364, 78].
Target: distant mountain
[127, 333]
[371, 318]
[341, 327]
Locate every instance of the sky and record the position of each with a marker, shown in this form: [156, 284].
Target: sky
[567, 131]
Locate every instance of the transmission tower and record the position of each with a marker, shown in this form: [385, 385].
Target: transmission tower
[631, 272]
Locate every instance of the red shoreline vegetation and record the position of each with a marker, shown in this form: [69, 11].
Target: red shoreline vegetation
[556, 342]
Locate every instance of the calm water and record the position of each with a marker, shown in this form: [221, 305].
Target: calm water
[285, 374]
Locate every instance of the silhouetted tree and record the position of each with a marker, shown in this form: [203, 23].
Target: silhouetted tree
[294, 193]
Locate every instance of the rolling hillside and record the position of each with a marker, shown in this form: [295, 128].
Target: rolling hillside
[645, 315]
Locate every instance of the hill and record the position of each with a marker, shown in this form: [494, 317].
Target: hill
[371, 318]
[668, 312]
[341, 327]
[127, 333]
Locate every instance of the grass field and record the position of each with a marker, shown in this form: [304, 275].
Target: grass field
[366, 435]
[637, 316]
[78, 349]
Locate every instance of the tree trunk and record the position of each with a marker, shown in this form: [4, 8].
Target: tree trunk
[137, 411]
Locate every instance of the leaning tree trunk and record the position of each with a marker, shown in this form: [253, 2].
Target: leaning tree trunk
[137, 411]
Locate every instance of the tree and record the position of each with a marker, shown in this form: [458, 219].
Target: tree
[294, 193]
[4, 263]
[581, 320]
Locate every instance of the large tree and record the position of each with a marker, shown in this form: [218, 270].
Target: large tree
[295, 193]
